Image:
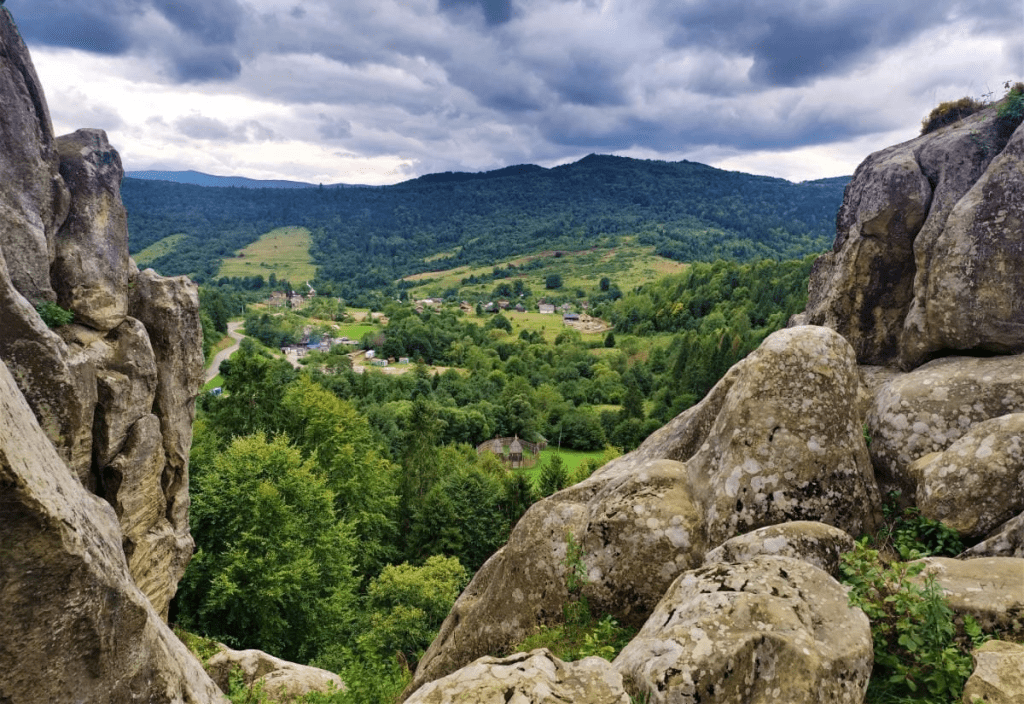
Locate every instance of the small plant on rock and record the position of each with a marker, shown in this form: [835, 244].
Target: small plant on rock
[53, 315]
[949, 112]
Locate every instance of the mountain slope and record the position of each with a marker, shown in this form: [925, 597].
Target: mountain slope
[368, 237]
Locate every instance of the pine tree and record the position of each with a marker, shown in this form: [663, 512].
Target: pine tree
[553, 476]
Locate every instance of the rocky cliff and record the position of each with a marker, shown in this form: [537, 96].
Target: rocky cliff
[96, 423]
[926, 277]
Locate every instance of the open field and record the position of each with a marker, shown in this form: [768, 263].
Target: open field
[627, 265]
[572, 459]
[283, 252]
[157, 249]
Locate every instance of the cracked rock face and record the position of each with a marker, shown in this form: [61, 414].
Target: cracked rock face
[987, 588]
[998, 676]
[895, 285]
[928, 409]
[536, 677]
[773, 629]
[115, 391]
[818, 544]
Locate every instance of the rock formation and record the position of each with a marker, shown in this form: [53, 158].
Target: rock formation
[928, 262]
[998, 674]
[96, 424]
[896, 284]
[115, 390]
[281, 681]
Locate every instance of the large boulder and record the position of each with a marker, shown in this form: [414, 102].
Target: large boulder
[778, 439]
[928, 409]
[998, 676]
[978, 482]
[987, 588]
[976, 307]
[33, 198]
[280, 680]
[90, 269]
[895, 284]
[74, 626]
[775, 629]
[813, 542]
[536, 677]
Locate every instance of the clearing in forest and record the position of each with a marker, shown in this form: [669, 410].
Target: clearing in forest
[158, 249]
[283, 252]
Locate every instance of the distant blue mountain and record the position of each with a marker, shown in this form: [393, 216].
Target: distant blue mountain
[198, 178]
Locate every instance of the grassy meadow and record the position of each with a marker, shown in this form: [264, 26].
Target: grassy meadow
[627, 265]
[283, 252]
[157, 249]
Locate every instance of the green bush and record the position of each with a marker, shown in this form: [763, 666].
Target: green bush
[921, 653]
[1011, 111]
[949, 112]
[909, 535]
[53, 315]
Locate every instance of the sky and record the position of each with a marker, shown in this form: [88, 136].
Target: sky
[381, 91]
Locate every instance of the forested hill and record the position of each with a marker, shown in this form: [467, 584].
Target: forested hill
[366, 238]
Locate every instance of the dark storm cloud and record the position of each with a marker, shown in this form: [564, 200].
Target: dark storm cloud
[211, 21]
[202, 64]
[792, 44]
[495, 11]
[102, 27]
[589, 81]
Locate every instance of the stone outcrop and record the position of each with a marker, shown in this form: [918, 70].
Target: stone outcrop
[895, 285]
[94, 496]
[114, 391]
[1005, 541]
[774, 629]
[75, 627]
[281, 681]
[816, 543]
[778, 439]
[978, 482]
[527, 678]
[998, 676]
[928, 409]
[987, 588]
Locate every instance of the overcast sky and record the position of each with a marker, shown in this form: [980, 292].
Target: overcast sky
[379, 91]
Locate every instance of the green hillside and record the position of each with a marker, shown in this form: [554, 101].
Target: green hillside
[367, 238]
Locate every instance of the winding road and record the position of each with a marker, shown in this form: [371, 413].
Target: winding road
[214, 368]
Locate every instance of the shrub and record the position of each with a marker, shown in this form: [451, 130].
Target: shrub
[53, 315]
[1011, 111]
[949, 112]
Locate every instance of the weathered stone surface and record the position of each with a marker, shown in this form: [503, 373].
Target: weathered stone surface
[998, 676]
[169, 308]
[646, 517]
[926, 410]
[90, 269]
[73, 625]
[787, 443]
[975, 307]
[991, 589]
[774, 629]
[33, 197]
[57, 382]
[816, 543]
[863, 287]
[527, 678]
[282, 681]
[1005, 541]
[978, 482]
[894, 285]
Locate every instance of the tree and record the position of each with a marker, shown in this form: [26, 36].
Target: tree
[609, 339]
[553, 281]
[605, 284]
[273, 565]
[553, 476]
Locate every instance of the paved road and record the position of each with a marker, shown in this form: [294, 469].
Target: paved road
[214, 368]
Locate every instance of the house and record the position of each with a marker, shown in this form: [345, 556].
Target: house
[370, 354]
[515, 453]
[546, 308]
[379, 362]
[571, 318]
[403, 360]
[520, 308]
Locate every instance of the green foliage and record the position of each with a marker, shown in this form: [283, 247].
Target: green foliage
[553, 281]
[273, 567]
[407, 605]
[553, 476]
[53, 315]
[1011, 111]
[949, 112]
[910, 535]
[921, 653]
